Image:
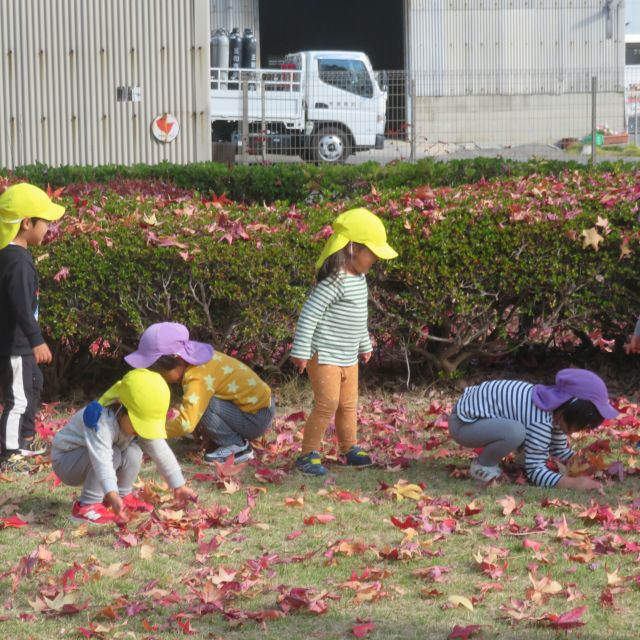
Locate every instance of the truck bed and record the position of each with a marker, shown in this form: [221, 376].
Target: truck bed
[272, 95]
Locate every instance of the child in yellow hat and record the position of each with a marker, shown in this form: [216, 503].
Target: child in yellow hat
[25, 213]
[105, 458]
[332, 334]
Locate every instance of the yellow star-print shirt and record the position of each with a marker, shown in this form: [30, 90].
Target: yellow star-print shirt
[223, 377]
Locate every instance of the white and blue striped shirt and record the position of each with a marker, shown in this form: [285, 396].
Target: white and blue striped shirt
[511, 399]
[333, 321]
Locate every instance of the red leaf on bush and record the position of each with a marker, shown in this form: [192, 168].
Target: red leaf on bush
[54, 194]
[63, 274]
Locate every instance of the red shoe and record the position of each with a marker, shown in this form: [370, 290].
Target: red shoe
[92, 513]
[135, 504]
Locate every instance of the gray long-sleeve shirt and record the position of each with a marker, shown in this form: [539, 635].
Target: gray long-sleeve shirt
[99, 445]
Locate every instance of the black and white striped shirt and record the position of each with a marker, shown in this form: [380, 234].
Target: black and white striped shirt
[333, 321]
[511, 399]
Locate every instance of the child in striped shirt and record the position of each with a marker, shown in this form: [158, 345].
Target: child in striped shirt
[332, 334]
[502, 415]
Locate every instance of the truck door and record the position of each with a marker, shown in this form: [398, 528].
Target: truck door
[344, 91]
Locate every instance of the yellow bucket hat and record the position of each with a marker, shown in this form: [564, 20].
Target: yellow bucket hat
[146, 396]
[20, 201]
[362, 226]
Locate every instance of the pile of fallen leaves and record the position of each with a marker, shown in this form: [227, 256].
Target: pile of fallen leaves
[265, 546]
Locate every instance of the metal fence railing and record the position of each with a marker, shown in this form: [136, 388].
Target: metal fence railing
[344, 113]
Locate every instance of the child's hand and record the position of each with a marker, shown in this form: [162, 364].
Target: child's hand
[365, 357]
[185, 494]
[114, 501]
[42, 354]
[634, 347]
[300, 363]
[581, 483]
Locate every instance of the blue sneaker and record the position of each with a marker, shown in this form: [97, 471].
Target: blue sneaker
[311, 464]
[357, 457]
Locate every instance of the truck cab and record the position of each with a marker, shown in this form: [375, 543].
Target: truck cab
[321, 105]
[345, 107]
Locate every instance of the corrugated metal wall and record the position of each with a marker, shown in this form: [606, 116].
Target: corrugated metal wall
[62, 61]
[514, 47]
[226, 14]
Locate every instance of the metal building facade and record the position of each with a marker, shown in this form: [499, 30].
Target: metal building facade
[514, 71]
[515, 47]
[227, 14]
[64, 60]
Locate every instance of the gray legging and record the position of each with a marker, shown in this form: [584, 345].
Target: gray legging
[227, 425]
[74, 468]
[497, 436]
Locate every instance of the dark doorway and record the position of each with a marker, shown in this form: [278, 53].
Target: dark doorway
[373, 26]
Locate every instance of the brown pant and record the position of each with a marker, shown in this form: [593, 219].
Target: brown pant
[335, 392]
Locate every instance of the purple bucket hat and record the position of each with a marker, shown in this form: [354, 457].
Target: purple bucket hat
[574, 383]
[168, 339]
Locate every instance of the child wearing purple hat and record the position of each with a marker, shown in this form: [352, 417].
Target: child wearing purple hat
[220, 394]
[503, 415]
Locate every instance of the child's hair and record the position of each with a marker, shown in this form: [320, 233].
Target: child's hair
[338, 261]
[580, 415]
[34, 221]
[165, 363]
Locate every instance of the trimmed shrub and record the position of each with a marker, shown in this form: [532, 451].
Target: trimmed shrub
[302, 182]
[483, 269]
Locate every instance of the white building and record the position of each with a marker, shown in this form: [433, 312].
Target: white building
[84, 80]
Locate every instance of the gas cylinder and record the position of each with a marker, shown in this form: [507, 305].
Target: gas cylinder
[235, 53]
[219, 47]
[249, 49]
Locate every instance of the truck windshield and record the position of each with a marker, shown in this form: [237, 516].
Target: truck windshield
[349, 75]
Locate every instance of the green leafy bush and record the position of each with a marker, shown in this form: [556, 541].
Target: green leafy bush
[300, 182]
[483, 269]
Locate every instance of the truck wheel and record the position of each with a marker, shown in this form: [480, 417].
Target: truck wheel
[330, 146]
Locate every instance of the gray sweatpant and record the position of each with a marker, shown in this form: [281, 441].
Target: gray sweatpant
[497, 436]
[225, 424]
[74, 468]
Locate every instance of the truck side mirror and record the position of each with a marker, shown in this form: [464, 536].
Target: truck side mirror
[383, 80]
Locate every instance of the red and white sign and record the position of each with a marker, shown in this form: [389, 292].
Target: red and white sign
[165, 127]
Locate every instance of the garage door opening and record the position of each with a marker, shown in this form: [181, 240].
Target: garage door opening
[373, 26]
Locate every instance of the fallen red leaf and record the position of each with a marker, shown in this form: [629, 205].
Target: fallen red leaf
[13, 521]
[463, 632]
[361, 630]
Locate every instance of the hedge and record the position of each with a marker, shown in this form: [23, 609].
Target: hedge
[483, 269]
[301, 182]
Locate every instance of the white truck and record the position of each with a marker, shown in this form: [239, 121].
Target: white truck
[321, 105]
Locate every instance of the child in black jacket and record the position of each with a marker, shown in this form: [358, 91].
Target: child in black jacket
[25, 213]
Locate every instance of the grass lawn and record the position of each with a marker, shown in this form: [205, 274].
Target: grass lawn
[268, 553]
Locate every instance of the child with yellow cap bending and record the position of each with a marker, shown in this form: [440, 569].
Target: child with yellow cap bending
[332, 333]
[101, 450]
[25, 213]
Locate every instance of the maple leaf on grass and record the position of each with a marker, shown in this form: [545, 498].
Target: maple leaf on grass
[229, 468]
[464, 633]
[362, 628]
[568, 620]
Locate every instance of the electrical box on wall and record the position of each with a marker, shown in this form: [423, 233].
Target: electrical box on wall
[128, 94]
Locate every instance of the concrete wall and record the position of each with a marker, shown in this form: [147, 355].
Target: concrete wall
[511, 120]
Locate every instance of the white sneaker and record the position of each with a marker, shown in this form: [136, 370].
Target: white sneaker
[484, 474]
[222, 454]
